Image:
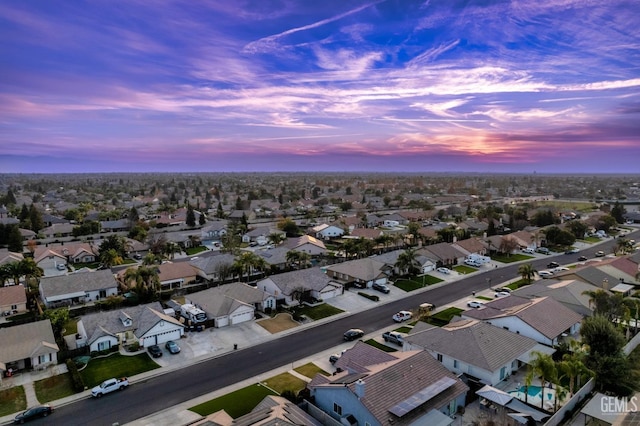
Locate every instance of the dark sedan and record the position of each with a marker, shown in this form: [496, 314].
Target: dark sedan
[172, 347]
[155, 351]
[353, 334]
[33, 413]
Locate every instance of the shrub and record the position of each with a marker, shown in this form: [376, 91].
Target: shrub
[76, 378]
[373, 297]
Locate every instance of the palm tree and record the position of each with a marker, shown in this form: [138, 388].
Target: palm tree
[527, 271]
[407, 262]
[14, 271]
[5, 274]
[144, 280]
[544, 366]
[110, 257]
[276, 238]
[573, 369]
[598, 301]
[171, 248]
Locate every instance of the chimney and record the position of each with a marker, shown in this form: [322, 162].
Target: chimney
[360, 389]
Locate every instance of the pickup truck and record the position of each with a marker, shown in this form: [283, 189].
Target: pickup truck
[109, 385]
[393, 337]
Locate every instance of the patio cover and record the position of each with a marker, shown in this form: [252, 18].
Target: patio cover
[623, 288]
[525, 410]
[494, 395]
[593, 409]
[433, 418]
[539, 347]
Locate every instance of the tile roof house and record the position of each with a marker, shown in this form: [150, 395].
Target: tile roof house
[306, 244]
[10, 257]
[174, 275]
[49, 260]
[471, 246]
[326, 232]
[246, 293]
[360, 271]
[390, 258]
[145, 324]
[214, 230]
[568, 292]
[224, 309]
[276, 257]
[288, 286]
[604, 274]
[271, 411]
[13, 299]
[443, 253]
[208, 267]
[543, 319]
[412, 388]
[366, 233]
[478, 349]
[79, 287]
[30, 345]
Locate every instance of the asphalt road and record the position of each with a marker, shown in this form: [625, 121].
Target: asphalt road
[158, 393]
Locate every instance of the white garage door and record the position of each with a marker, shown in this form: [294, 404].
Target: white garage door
[241, 317]
[164, 337]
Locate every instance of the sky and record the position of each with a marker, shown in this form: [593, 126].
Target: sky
[545, 86]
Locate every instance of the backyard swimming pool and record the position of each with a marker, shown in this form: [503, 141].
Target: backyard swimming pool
[532, 392]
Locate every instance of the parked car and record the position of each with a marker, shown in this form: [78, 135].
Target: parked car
[572, 251]
[528, 250]
[333, 358]
[428, 307]
[553, 265]
[381, 288]
[444, 270]
[61, 267]
[172, 347]
[470, 262]
[34, 413]
[504, 289]
[155, 351]
[545, 274]
[502, 294]
[353, 334]
[393, 337]
[599, 253]
[582, 258]
[543, 250]
[560, 269]
[475, 304]
[402, 316]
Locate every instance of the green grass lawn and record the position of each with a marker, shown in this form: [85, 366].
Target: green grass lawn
[380, 346]
[591, 240]
[71, 327]
[285, 381]
[54, 387]
[483, 298]
[116, 365]
[195, 250]
[12, 400]
[464, 269]
[236, 403]
[317, 312]
[517, 257]
[517, 284]
[310, 370]
[443, 317]
[403, 329]
[415, 283]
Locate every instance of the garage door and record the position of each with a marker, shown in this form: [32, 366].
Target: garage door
[166, 336]
[241, 317]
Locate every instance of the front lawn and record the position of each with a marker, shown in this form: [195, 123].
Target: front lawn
[316, 312]
[116, 365]
[415, 283]
[444, 317]
[70, 327]
[54, 387]
[310, 370]
[12, 400]
[464, 269]
[380, 346]
[285, 382]
[517, 284]
[195, 250]
[510, 258]
[483, 298]
[236, 403]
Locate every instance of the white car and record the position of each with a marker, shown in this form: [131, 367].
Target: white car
[475, 304]
[444, 270]
[545, 274]
[402, 316]
[472, 263]
[560, 269]
[502, 294]
[528, 250]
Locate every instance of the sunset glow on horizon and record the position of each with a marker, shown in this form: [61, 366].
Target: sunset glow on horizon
[277, 85]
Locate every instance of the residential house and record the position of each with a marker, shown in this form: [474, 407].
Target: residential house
[326, 232]
[174, 275]
[542, 319]
[444, 254]
[484, 352]
[119, 225]
[143, 324]
[306, 244]
[568, 292]
[10, 257]
[408, 388]
[214, 230]
[27, 346]
[361, 272]
[76, 288]
[604, 274]
[73, 252]
[366, 233]
[271, 411]
[223, 309]
[211, 266]
[13, 300]
[471, 246]
[394, 219]
[349, 222]
[275, 257]
[51, 262]
[58, 230]
[525, 239]
[292, 287]
[260, 299]
[260, 235]
[390, 259]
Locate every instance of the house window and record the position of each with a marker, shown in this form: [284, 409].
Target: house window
[44, 358]
[455, 363]
[103, 294]
[439, 357]
[14, 307]
[337, 409]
